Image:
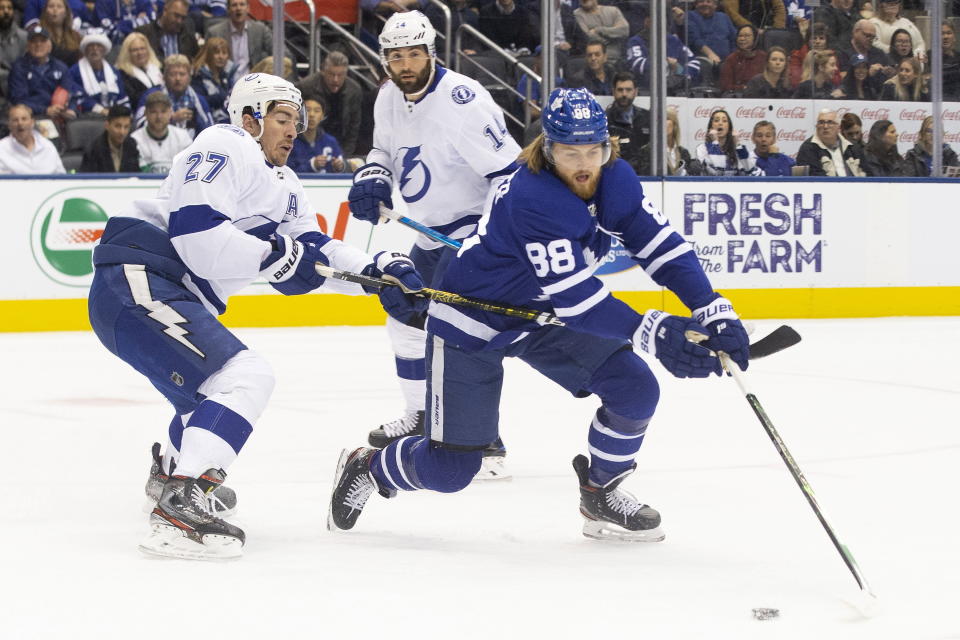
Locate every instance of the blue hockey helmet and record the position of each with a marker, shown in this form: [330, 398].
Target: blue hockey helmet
[573, 116]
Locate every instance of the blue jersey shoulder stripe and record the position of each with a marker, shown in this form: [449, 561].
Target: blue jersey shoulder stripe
[194, 218]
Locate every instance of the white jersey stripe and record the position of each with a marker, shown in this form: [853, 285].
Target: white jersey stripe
[614, 434]
[462, 321]
[570, 281]
[586, 305]
[403, 474]
[667, 257]
[652, 246]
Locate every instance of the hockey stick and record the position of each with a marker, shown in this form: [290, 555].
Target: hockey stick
[443, 296]
[390, 214]
[869, 599]
[777, 340]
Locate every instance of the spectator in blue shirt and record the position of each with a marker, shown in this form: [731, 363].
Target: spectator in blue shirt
[120, 17]
[768, 156]
[315, 150]
[36, 77]
[710, 34]
[682, 65]
[213, 76]
[33, 8]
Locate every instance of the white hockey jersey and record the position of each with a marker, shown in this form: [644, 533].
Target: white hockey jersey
[442, 149]
[156, 156]
[220, 204]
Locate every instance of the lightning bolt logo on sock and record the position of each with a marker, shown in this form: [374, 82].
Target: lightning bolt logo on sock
[162, 313]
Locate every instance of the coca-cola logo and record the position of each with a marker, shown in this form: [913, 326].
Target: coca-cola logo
[751, 112]
[797, 135]
[792, 112]
[700, 135]
[948, 114]
[875, 114]
[704, 112]
[916, 114]
[909, 137]
[951, 137]
[842, 111]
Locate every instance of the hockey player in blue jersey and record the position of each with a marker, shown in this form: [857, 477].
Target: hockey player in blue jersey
[439, 136]
[544, 233]
[229, 211]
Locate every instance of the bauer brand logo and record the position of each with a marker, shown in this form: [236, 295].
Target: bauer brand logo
[64, 231]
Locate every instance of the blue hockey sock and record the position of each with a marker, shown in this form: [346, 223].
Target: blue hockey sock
[613, 444]
[393, 466]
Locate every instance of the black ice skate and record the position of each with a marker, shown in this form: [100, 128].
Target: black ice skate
[221, 502]
[353, 483]
[409, 424]
[612, 514]
[181, 526]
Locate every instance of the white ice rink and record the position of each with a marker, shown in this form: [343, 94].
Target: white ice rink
[869, 409]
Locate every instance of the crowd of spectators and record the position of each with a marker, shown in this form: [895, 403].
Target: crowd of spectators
[65, 60]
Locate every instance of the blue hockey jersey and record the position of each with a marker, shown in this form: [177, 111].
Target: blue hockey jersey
[538, 245]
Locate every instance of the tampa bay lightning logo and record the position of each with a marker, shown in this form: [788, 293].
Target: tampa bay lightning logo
[415, 176]
[462, 94]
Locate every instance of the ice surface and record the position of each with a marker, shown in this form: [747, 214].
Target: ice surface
[869, 409]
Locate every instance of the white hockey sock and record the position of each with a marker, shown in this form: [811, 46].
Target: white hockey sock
[414, 393]
[202, 450]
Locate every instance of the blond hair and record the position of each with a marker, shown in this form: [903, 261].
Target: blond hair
[123, 58]
[535, 157]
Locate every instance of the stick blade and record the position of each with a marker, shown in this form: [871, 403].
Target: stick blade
[779, 339]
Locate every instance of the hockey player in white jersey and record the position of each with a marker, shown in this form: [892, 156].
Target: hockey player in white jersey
[439, 139]
[228, 213]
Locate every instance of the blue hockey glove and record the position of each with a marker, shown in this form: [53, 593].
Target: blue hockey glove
[372, 184]
[289, 268]
[664, 336]
[397, 301]
[726, 331]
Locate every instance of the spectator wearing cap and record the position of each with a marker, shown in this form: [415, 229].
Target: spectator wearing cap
[710, 33]
[888, 19]
[57, 18]
[827, 153]
[341, 95]
[508, 24]
[172, 33]
[13, 41]
[139, 67]
[213, 76]
[97, 84]
[250, 41]
[861, 42]
[951, 62]
[158, 142]
[39, 81]
[81, 15]
[315, 150]
[25, 151]
[856, 83]
[114, 151]
[190, 110]
[603, 23]
[744, 63]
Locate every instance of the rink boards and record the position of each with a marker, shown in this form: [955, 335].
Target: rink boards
[784, 248]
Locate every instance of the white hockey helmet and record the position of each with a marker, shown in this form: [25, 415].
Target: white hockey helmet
[407, 29]
[256, 92]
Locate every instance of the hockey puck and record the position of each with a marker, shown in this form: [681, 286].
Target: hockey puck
[764, 613]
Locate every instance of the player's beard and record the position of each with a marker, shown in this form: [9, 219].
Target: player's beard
[414, 85]
[582, 189]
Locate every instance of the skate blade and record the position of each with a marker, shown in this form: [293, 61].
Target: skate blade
[598, 530]
[341, 463]
[493, 468]
[170, 542]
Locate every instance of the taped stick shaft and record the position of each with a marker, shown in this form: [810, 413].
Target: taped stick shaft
[541, 317]
[732, 368]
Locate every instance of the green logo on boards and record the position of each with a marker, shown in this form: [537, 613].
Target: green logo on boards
[65, 230]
